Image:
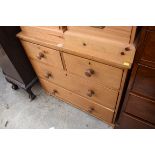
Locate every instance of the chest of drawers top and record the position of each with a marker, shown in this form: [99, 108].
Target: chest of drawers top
[111, 45]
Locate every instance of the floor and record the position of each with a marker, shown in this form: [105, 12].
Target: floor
[17, 112]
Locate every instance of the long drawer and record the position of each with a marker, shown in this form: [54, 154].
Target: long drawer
[109, 51]
[96, 92]
[141, 107]
[78, 101]
[121, 33]
[129, 122]
[43, 54]
[93, 71]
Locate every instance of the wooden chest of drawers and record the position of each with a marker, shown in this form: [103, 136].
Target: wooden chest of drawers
[84, 66]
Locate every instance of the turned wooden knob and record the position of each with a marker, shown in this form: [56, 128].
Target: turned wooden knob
[54, 91]
[127, 49]
[122, 53]
[90, 93]
[48, 75]
[40, 55]
[89, 72]
[91, 109]
[84, 44]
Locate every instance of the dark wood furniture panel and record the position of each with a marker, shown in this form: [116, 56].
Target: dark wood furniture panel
[14, 62]
[130, 122]
[149, 47]
[146, 48]
[138, 109]
[141, 107]
[144, 83]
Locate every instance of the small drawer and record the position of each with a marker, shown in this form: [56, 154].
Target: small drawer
[144, 83]
[78, 101]
[46, 31]
[101, 49]
[141, 107]
[43, 34]
[43, 54]
[121, 33]
[48, 73]
[94, 71]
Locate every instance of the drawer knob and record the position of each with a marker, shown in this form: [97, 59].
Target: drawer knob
[89, 72]
[40, 55]
[99, 27]
[91, 109]
[54, 92]
[48, 75]
[84, 44]
[90, 93]
[122, 53]
[127, 49]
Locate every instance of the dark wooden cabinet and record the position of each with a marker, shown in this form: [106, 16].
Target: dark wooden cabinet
[138, 109]
[14, 62]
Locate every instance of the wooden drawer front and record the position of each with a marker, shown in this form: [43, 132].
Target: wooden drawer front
[129, 122]
[144, 83]
[147, 49]
[101, 49]
[49, 73]
[96, 92]
[78, 101]
[43, 54]
[44, 32]
[121, 33]
[141, 107]
[93, 71]
[102, 95]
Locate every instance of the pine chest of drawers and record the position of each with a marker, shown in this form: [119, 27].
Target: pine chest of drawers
[83, 66]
